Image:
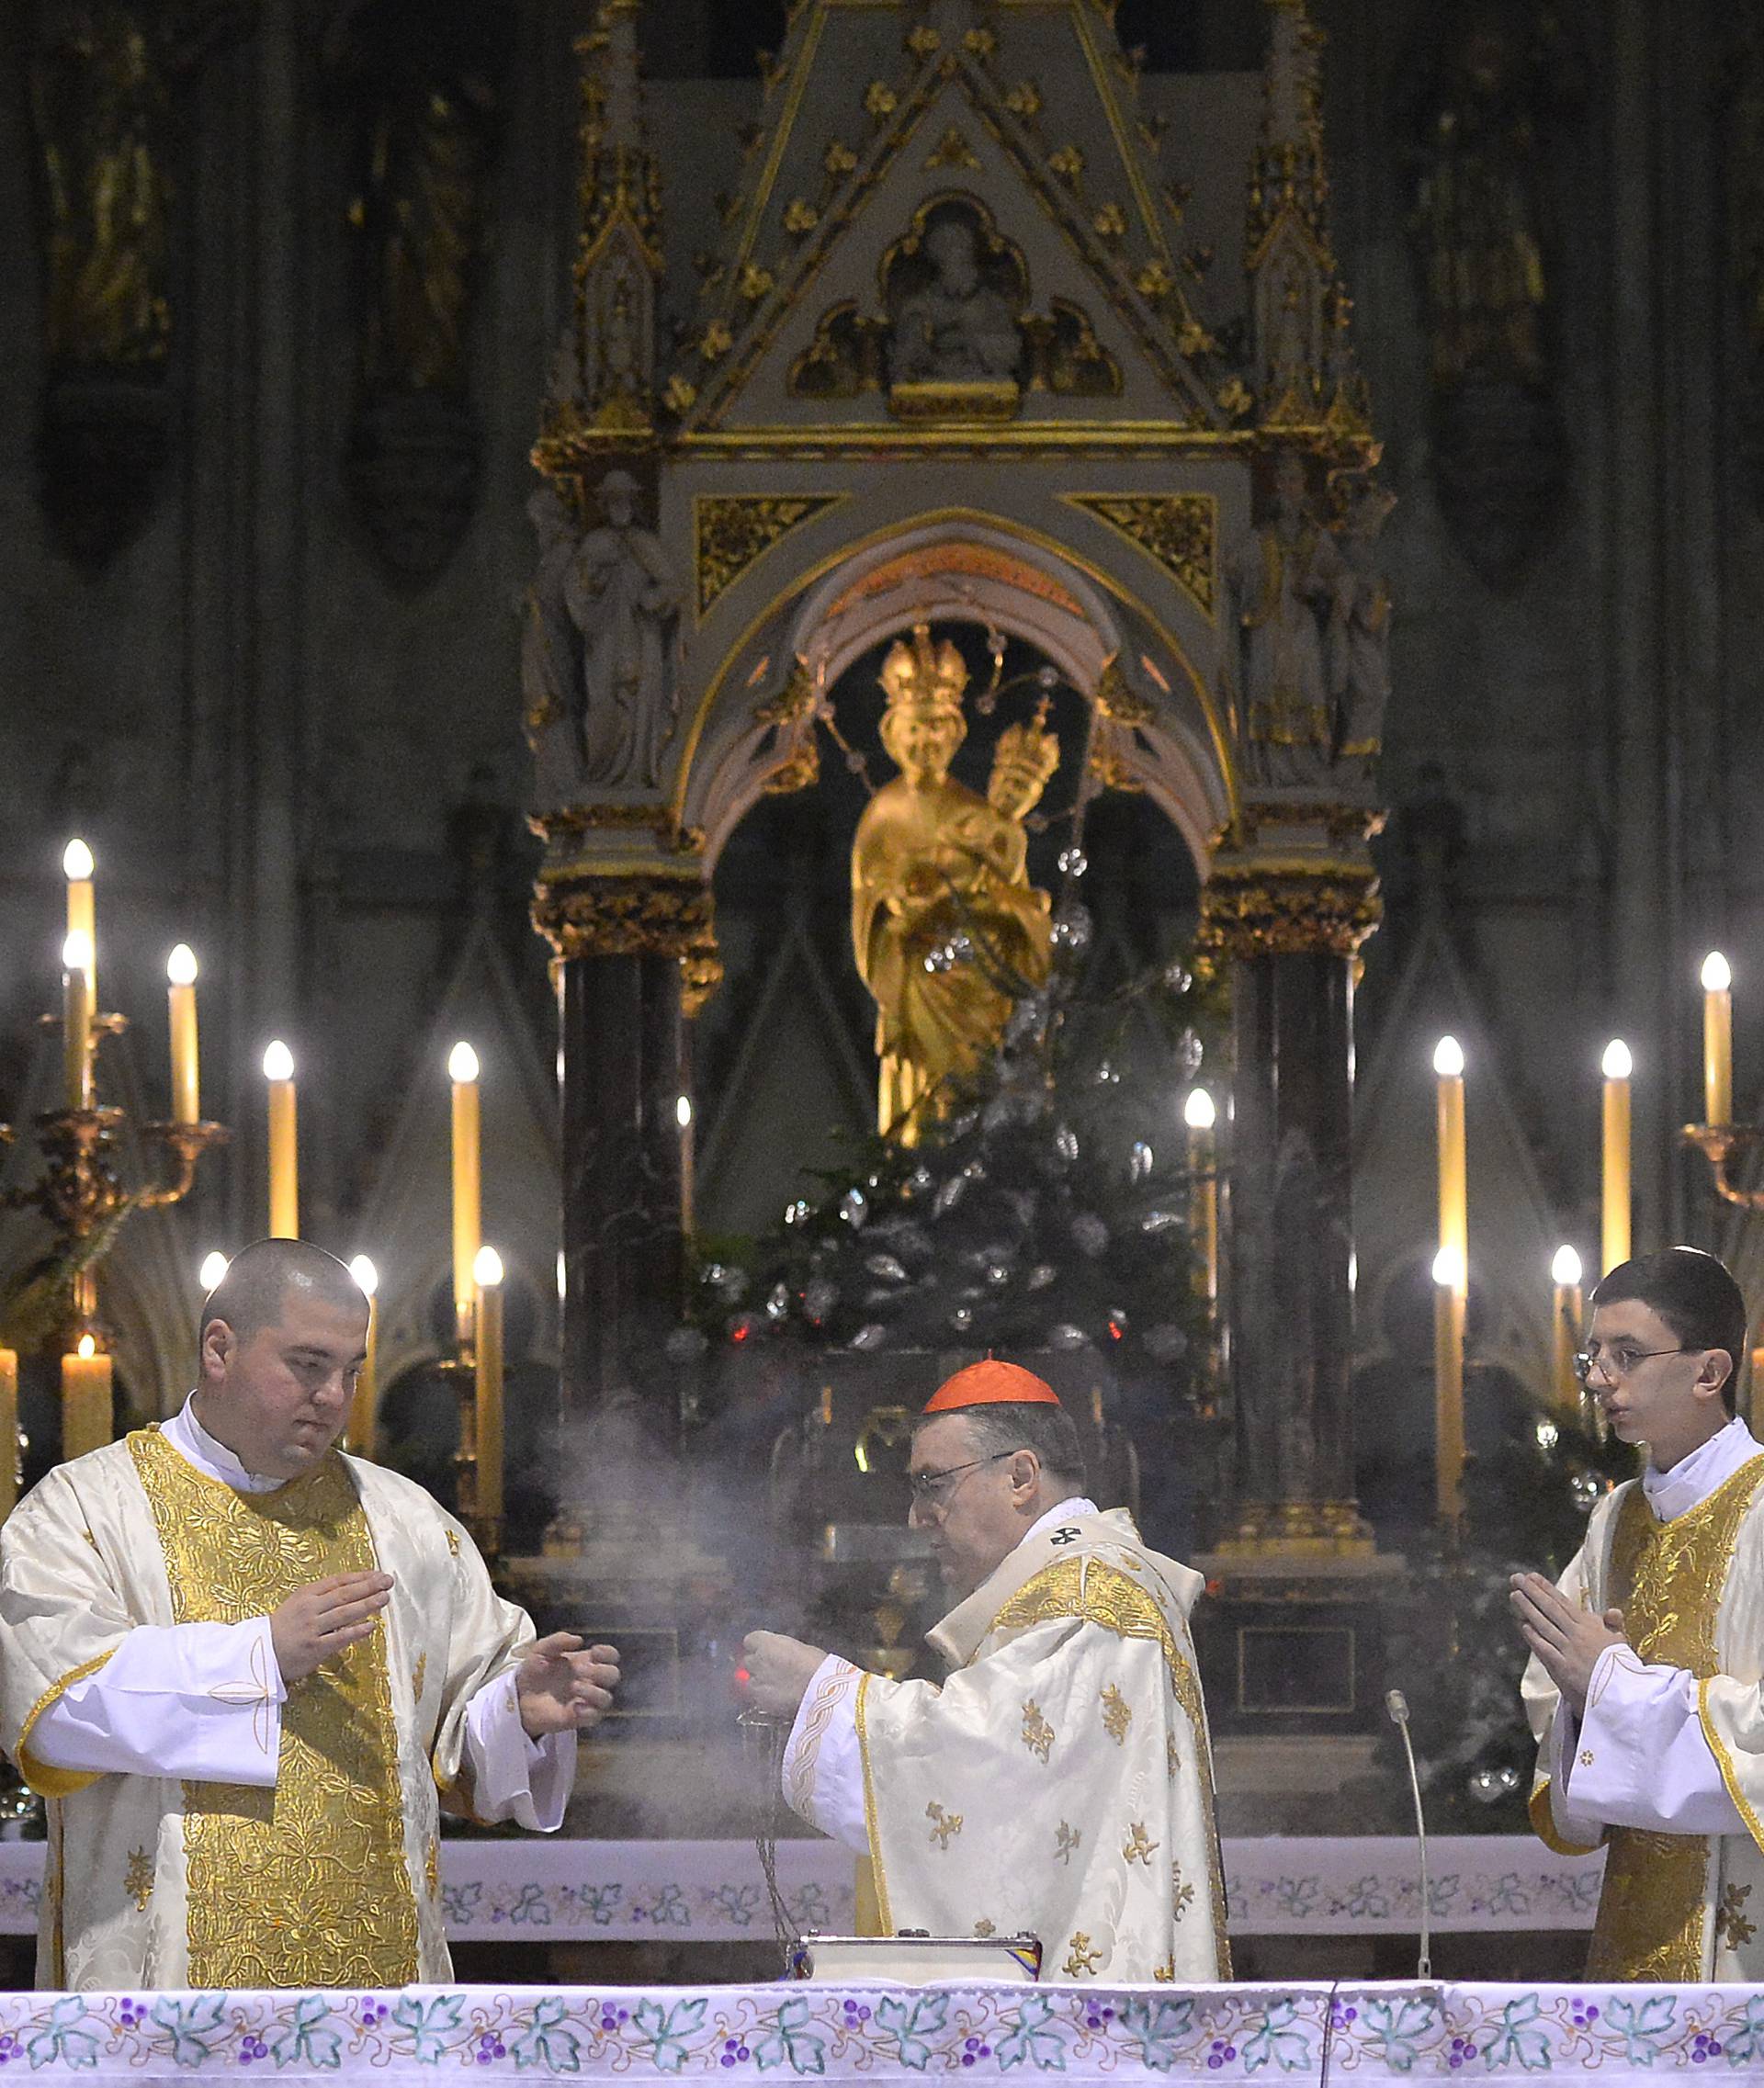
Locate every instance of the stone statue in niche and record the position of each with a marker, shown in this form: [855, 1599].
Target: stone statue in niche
[1358, 636]
[955, 339]
[1283, 582]
[424, 81]
[598, 654]
[550, 677]
[957, 326]
[103, 85]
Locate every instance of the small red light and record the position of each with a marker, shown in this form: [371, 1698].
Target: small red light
[740, 1333]
[1116, 1330]
[743, 1676]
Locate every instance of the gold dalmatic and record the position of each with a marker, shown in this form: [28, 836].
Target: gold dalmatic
[1667, 1579]
[304, 1885]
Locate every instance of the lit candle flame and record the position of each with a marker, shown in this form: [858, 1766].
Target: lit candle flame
[1565, 1268]
[76, 862]
[1717, 973]
[364, 1275]
[213, 1270]
[1200, 1112]
[1448, 1058]
[462, 1063]
[180, 966]
[278, 1062]
[487, 1269]
[1617, 1062]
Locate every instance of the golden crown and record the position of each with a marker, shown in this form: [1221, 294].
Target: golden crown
[1029, 750]
[921, 676]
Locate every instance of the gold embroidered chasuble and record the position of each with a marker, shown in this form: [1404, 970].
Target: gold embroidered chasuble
[329, 1877]
[1680, 1908]
[1060, 1781]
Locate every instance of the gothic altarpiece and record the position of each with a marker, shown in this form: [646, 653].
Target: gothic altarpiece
[956, 360]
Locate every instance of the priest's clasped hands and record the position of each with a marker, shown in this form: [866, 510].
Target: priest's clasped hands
[1567, 1639]
[560, 1687]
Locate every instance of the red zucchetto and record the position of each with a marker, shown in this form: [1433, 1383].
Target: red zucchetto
[991, 1383]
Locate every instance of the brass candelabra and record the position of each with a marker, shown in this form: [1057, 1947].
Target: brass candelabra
[1727, 1148]
[82, 1195]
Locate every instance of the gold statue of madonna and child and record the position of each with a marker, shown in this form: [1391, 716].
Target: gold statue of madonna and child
[933, 864]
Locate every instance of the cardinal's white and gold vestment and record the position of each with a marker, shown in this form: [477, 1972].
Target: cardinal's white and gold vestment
[1666, 1766]
[208, 1825]
[1059, 1782]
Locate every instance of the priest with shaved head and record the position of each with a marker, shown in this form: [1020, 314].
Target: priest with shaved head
[246, 1669]
[1060, 1781]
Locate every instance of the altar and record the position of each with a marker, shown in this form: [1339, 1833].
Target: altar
[539, 1892]
[1375, 2033]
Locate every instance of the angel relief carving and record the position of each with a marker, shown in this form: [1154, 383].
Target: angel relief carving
[953, 335]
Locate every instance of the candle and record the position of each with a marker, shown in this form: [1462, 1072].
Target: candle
[9, 1431]
[86, 1399]
[487, 1273]
[1717, 1040]
[82, 913]
[1564, 1328]
[362, 1416]
[467, 1184]
[214, 1267]
[1451, 1278]
[284, 1145]
[1614, 1234]
[180, 970]
[1200, 1115]
[76, 1024]
[682, 1117]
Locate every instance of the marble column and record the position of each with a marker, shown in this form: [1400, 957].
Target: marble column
[626, 948]
[1284, 917]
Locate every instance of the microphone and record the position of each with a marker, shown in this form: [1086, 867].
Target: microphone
[1397, 1705]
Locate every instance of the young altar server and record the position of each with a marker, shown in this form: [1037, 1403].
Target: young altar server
[1060, 1781]
[1647, 1657]
[240, 1666]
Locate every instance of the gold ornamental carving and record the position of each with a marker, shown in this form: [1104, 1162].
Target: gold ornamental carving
[1303, 1529]
[1178, 531]
[729, 531]
[637, 916]
[1264, 909]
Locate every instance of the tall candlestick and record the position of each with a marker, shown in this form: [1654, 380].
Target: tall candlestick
[363, 1416]
[1451, 1278]
[487, 1270]
[284, 1145]
[81, 910]
[1717, 1038]
[1614, 1231]
[86, 1399]
[1200, 1115]
[76, 1024]
[180, 970]
[9, 1431]
[1566, 1309]
[682, 1115]
[467, 1184]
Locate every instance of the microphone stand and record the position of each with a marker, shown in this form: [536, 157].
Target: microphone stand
[1397, 1705]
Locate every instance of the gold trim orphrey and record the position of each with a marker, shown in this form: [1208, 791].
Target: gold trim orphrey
[1667, 1579]
[320, 1854]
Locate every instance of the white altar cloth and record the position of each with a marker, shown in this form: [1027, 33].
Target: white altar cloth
[1389, 2035]
[554, 1890]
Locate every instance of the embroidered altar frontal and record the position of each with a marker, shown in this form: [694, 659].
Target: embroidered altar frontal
[1377, 2034]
